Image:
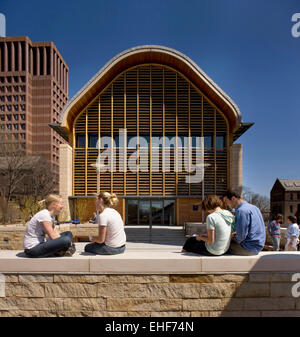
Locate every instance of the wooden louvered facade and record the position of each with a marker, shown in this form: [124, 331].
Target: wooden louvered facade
[155, 94]
[150, 101]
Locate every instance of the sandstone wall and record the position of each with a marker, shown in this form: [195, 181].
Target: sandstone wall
[247, 294]
[11, 237]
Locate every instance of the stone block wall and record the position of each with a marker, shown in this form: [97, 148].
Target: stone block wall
[246, 294]
[236, 166]
[11, 237]
[66, 176]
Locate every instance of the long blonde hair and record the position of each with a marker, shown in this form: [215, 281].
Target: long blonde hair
[109, 199]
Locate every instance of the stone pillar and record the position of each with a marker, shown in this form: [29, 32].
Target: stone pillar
[236, 152]
[65, 177]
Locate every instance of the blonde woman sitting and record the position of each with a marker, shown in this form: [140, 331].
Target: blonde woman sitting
[35, 243]
[216, 240]
[111, 238]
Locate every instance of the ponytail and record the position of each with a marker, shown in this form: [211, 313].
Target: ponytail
[42, 203]
[109, 199]
[113, 199]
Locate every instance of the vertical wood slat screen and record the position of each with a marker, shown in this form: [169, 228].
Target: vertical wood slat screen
[144, 126]
[142, 94]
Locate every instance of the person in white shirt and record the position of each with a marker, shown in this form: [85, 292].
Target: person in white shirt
[35, 243]
[111, 238]
[292, 234]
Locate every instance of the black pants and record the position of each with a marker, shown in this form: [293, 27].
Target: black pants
[194, 246]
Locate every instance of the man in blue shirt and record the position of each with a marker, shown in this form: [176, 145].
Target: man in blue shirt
[250, 235]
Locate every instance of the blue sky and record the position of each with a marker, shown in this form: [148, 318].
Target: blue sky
[245, 46]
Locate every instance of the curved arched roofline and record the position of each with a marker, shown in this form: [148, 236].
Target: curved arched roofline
[150, 54]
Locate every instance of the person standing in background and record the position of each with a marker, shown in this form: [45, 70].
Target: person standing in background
[292, 234]
[273, 229]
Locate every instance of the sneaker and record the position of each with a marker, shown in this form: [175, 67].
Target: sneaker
[70, 251]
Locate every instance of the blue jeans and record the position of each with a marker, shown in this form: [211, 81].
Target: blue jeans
[50, 247]
[103, 249]
[276, 243]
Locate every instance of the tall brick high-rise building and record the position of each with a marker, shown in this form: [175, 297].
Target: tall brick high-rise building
[33, 92]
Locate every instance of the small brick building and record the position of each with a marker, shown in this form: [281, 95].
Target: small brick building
[285, 198]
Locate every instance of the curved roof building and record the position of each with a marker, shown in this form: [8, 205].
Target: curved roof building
[149, 126]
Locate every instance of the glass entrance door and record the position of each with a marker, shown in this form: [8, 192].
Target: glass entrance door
[157, 212]
[150, 212]
[132, 212]
[169, 212]
[144, 212]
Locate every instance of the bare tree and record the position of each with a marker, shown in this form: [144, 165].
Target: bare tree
[12, 172]
[260, 201]
[37, 185]
[26, 179]
[13, 165]
[39, 181]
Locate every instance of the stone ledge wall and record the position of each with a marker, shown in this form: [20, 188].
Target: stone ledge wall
[249, 294]
[11, 237]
